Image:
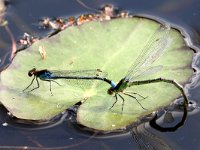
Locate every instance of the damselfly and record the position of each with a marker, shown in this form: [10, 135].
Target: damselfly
[75, 75]
[155, 47]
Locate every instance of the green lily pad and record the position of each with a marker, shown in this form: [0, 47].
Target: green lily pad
[111, 46]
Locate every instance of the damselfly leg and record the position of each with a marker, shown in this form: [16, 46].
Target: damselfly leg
[123, 100]
[129, 92]
[50, 85]
[30, 84]
[116, 99]
[135, 98]
[38, 85]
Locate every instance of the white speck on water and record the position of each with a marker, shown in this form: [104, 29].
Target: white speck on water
[25, 147]
[113, 125]
[5, 124]
[71, 138]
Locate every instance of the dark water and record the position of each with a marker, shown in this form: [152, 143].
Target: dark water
[23, 16]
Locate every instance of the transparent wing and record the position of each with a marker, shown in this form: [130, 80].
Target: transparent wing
[80, 73]
[148, 71]
[154, 48]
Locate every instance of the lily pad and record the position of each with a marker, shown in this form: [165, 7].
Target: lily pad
[111, 46]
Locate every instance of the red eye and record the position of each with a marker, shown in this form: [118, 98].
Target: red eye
[31, 72]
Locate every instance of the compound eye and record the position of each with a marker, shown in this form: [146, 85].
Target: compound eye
[110, 91]
[31, 72]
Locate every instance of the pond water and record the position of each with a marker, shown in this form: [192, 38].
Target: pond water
[23, 16]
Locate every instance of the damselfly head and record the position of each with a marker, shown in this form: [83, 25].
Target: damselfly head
[110, 91]
[31, 72]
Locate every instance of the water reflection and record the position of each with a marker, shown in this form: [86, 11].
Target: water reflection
[146, 139]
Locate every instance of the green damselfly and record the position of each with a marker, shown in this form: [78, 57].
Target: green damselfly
[155, 47]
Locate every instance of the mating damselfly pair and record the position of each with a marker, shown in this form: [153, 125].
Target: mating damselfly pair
[155, 47]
